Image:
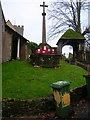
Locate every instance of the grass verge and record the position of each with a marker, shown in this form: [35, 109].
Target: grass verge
[21, 80]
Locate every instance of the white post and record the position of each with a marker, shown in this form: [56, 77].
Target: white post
[18, 49]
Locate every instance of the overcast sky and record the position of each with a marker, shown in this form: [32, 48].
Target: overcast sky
[29, 14]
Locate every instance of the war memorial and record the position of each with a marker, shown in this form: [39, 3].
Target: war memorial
[45, 56]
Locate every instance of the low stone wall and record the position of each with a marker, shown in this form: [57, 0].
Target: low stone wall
[27, 107]
[84, 66]
[78, 93]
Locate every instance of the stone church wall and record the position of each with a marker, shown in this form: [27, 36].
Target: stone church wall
[0, 36]
[2, 29]
[6, 38]
[19, 29]
[7, 42]
[23, 50]
[28, 51]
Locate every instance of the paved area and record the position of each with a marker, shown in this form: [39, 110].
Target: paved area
[81, 109]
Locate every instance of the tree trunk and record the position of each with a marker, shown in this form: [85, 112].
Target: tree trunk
[78, 28]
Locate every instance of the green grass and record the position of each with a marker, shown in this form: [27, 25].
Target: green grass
[22, 80]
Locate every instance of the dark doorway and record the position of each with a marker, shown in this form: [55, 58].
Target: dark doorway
[14, 47]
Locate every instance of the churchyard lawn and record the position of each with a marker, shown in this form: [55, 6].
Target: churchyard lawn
[21, 80]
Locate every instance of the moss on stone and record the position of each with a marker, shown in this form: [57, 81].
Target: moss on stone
[71, 34]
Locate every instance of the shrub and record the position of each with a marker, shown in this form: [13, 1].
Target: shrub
[33, 46]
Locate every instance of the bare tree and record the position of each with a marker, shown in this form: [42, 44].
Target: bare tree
[66, 15]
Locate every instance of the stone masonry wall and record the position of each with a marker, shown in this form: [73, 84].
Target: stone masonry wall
[6, 45]
[23, 50]
[1, 35]
[2, 29]
[27, 107]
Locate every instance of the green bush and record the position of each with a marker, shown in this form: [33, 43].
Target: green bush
[44, 44]
[33, 46]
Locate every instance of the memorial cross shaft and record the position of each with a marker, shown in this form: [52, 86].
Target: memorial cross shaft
[44, 24]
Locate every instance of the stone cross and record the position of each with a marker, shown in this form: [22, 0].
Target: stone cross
[44, 25]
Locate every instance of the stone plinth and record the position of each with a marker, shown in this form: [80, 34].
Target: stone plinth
[44, 60]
